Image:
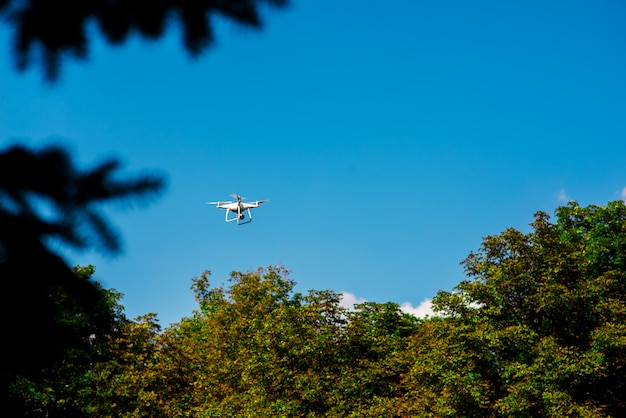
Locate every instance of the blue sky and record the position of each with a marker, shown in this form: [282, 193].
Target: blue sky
[390, 137]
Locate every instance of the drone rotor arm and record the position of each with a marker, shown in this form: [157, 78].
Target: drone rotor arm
[254, 204]
[220, 204]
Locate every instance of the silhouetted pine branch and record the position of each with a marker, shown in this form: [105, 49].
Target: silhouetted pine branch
[57, 28]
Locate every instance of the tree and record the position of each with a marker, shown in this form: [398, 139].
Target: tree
[258, 349]
[42, 288]
[59, 28]
[62, 387]
[52, 310]
[254, 349]
[373, 363]
[538, 331]
[121, 383]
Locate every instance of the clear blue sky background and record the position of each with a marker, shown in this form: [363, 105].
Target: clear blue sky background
[390, 137]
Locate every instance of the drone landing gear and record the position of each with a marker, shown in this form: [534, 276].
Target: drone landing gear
[239, 217]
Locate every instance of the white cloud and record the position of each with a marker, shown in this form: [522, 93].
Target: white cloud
[623, 194]
[423, 310]
[348, 300]
[562, 196]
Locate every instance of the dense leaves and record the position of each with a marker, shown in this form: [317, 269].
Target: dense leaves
[58, 383]
[544, 315]
[537, 329]
[53, 310]
[257, 349]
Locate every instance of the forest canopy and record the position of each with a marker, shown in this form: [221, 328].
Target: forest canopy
[537, 328]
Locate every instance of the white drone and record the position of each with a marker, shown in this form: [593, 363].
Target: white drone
[238, 208]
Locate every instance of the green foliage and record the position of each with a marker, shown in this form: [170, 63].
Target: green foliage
[537, 330]
[257, 348]
[451, 373]
[61, 388]
[54, 310]
[374, 340]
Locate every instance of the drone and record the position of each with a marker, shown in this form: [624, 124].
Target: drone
[238, 208]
